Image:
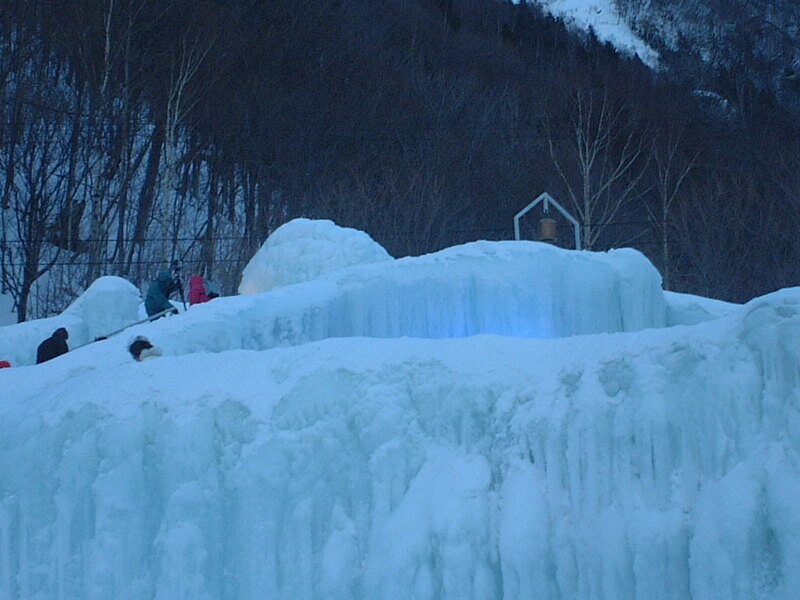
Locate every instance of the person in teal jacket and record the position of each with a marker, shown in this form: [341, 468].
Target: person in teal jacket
[157, 299]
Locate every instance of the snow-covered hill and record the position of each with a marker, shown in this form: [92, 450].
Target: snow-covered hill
[498, 420]
[756, 41]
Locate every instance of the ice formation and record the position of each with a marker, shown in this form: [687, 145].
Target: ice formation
[304, 249]
[296, 445]
[519, 289]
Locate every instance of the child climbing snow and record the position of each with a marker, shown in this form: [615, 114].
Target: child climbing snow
[141, 349]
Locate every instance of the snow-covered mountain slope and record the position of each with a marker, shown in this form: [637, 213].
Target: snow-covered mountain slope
[643, 463]
[603, 17]
[756, 40]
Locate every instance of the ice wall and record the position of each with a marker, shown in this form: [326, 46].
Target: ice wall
[513, 288]
[520, 289]
[654, 465]
[107, 305]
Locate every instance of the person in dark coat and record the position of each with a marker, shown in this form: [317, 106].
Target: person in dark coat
[55, 345]
[141, 349]
[157, 299]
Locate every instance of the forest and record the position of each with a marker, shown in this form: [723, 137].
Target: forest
[138, 132]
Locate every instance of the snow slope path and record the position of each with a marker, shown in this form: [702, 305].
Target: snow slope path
[642, 463]
[107, 305]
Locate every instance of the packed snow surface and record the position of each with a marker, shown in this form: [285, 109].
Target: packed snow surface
[687, 309]
[312, 443]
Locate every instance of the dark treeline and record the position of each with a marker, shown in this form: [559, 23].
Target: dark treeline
[139, 131]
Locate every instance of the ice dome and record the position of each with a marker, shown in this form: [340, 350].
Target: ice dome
[304, 249]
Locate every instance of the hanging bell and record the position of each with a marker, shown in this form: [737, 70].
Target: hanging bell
[547, 230]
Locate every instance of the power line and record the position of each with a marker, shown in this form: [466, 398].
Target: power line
[506, 230]
[161, 239]
[111, 263]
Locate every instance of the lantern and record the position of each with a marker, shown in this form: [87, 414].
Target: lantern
[547, 230]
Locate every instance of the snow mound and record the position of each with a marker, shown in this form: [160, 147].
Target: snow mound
[688, 309]
[304, 249]
[110, 303]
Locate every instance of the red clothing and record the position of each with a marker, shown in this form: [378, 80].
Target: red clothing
[197, 290]
[4, 364]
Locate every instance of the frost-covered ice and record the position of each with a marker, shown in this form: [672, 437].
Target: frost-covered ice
[521, 289]
[286, 448]
[303, 249]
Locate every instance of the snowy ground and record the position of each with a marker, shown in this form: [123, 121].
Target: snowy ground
[497, 420]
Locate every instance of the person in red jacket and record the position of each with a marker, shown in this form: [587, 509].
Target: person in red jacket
[197, 290]
[4, 364]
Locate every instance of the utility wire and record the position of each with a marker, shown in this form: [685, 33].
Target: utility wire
[259, 239]
[111, 263]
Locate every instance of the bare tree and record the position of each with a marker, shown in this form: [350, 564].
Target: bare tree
[35, 198]
[180, 98]
[719, 241]
[112, 149]
[601, 160]
[672, 167]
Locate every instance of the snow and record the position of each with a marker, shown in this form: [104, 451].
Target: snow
[495, 420]
[688, 309]
[601, 16]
